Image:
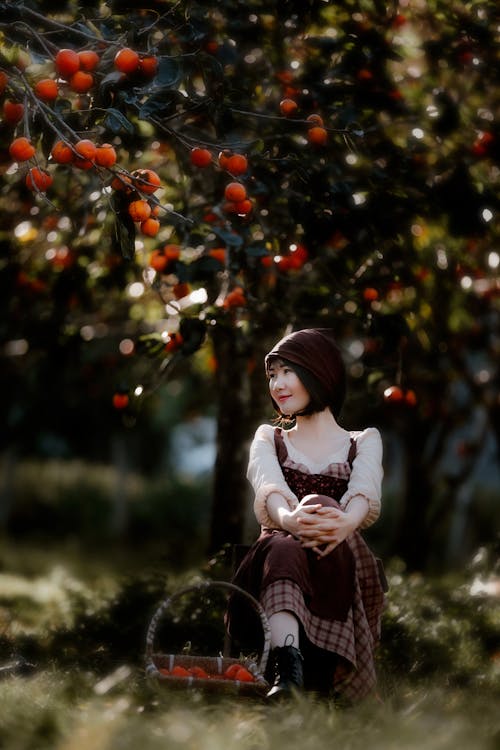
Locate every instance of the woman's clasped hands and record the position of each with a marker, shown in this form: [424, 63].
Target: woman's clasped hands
[320, 527]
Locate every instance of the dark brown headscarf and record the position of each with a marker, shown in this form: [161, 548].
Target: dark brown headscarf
[316, 350]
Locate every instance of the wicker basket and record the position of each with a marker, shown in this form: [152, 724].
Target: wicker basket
[214, 666]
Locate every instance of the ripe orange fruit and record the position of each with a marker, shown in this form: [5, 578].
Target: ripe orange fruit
[86, 148]
[120, 400]
[21, 149]
[317, 135]
[223, 158]
[411, 397]
[171, 252]
[231, 671]
[398, 20]
[315, 120]
[364, 74]
[370, 294]
[122, 182]
[244, 207]
[158, 260]
[218, 253]
[67, 62]
[237, 164]
[174, 343]
[38, 179]
[148, 65]
[235, 191]
[235, 298]
[482, 144]
[139, 210]
[198, 672]
[81, 82]
[243, 675]
[105, 155]
[284, 263]
[150, 227]
[201, 157]
[393, 393]
[13, 111]
[181, 290]
[146, 180]
[83, 164]
[298, 256]
[88, 60]
[3, 81]
[46, 90]
[126, 60]
[212, 47]
[288, 107]
[62, 153]
[179, 671]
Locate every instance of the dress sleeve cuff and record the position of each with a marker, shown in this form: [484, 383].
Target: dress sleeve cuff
[373, 508]
[260, 503]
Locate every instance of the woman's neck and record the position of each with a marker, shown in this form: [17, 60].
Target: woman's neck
[319, 425]
[317, 436]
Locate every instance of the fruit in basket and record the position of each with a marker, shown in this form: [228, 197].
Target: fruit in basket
[230, 672]
[238, 672]
[198, 672]
[164, 671]
[179, 671]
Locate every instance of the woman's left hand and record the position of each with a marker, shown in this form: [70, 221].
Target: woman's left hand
[326, 529]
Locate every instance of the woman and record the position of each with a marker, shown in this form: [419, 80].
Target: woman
[315, 485]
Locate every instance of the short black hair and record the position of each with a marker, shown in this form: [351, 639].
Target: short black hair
[319, 398]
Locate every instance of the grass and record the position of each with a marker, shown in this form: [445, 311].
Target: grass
[82, 622]
[66, 711]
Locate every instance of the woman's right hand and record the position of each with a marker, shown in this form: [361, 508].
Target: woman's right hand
[291, 520]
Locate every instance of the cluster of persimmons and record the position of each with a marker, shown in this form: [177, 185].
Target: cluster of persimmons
[75, 71]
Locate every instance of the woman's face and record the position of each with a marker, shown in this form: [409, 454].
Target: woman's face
[286, 388]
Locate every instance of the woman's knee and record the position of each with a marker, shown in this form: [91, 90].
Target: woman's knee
[315, 499]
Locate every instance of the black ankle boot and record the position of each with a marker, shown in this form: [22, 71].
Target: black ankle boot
[288, 674]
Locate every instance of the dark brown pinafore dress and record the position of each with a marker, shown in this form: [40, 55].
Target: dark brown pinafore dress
[338, 599]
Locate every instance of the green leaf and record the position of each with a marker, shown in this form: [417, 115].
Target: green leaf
[256, 251]
[124, 236]
[230, 238]
[204, 268]
[116, 121]
[162, 102]
[169, 72]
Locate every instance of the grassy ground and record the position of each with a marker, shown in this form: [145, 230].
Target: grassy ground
[80, 620]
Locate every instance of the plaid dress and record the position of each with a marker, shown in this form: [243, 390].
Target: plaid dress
[338, 599]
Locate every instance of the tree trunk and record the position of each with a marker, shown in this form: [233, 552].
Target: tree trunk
[230, 484]
[243, 403]
[9, 460]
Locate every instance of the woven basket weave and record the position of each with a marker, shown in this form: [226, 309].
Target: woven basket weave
[214, 666]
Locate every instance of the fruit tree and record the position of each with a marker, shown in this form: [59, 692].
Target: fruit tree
[194, 178]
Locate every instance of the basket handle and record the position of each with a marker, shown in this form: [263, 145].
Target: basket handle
[202, 586]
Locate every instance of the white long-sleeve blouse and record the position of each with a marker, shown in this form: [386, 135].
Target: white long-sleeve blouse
[265, 474]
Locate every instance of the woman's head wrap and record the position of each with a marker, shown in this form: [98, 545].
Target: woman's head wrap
[316, 350]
